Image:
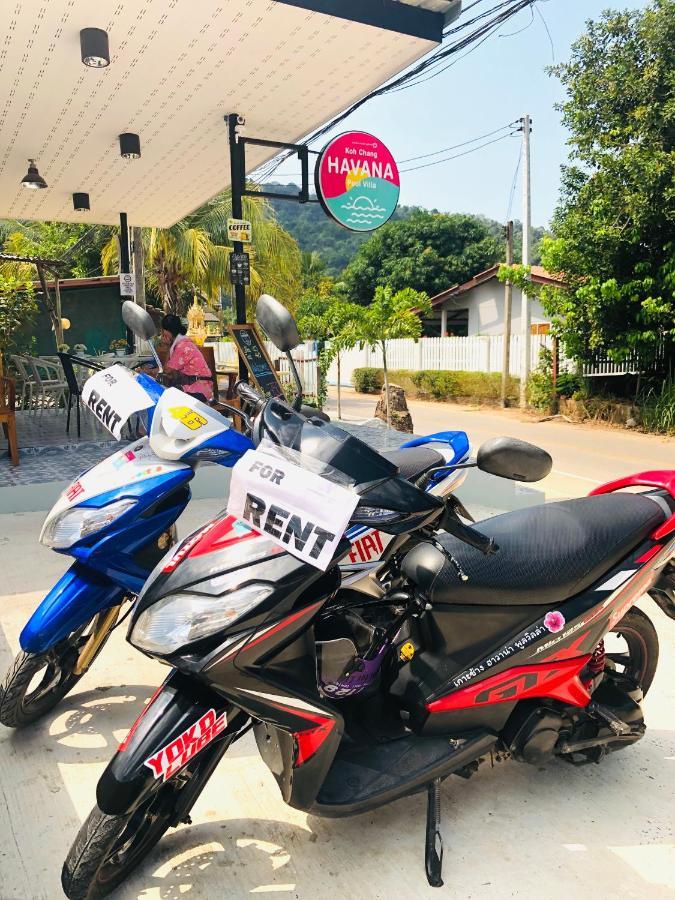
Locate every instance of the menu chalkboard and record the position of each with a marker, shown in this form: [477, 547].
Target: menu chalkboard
[252, 351]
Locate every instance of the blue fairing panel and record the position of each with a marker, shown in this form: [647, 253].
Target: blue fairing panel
[73, 601]
[154, 389]
[458, 440]
[225, 448]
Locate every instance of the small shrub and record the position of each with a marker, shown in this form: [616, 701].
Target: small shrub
[658, 408]
[368, 380]
[432, 384]
[438, 385]
[570, 385]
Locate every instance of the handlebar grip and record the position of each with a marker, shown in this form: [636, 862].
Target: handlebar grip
[470, 536]
[249, 394]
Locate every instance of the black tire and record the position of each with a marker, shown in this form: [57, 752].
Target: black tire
[18, 707]
[107, 848]
[641, 658]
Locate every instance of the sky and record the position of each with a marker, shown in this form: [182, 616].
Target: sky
[496, 84]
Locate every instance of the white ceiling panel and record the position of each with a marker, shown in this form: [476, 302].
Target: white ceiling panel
[177, 67]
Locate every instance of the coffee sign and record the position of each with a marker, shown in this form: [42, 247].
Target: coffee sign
[357, 181]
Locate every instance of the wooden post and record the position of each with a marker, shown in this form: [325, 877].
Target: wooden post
[508, 295]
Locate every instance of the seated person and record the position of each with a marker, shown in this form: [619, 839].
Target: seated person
[185, 368]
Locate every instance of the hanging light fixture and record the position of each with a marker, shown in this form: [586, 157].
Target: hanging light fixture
[32, 179]
[94, 48]
[130, 145]
[81, 202]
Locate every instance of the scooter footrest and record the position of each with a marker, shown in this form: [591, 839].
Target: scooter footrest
[368, 776]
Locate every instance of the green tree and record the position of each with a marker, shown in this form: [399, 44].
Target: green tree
[17, 310]
[427, 252]
[193, 255]
[327, 318]
[614, 231]
[77, 246]
[390, 316]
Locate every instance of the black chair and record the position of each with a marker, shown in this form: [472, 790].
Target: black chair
[74, 389]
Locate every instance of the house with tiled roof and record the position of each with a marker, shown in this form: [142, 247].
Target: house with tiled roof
[477, 306]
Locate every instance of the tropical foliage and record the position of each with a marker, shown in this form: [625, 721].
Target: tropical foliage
[193, 255]
[17, 309]
[392, 315]
[614, 232]
[427, 252]
[336, 324]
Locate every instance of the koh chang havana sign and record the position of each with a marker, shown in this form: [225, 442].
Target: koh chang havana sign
[357, 181]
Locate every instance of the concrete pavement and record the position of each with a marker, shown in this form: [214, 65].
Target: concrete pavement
[511, 831]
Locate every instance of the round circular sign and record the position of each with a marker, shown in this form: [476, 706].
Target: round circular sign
[357, 181]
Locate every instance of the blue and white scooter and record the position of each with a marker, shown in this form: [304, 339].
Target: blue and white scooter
[118, 520]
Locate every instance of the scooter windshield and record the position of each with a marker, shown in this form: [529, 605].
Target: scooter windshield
[375, 478]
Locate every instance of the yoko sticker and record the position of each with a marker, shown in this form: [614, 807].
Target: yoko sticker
[179, 752]
[304, 512]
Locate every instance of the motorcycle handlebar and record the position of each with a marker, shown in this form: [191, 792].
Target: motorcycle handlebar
[469, 535]
[249, 394]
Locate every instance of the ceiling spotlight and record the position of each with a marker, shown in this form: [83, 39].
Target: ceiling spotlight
[130, 145]
[81, 202]
[32, 179]
[94, 48]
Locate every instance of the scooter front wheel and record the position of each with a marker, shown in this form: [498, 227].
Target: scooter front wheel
[36, 682]
[108, 847]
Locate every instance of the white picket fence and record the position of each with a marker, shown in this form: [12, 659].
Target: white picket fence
[482, 353]
[305, 357]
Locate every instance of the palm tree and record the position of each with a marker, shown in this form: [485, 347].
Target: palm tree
[193, 255]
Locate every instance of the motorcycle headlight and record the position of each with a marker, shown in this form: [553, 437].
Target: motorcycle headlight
[72, 525]
[181, 619]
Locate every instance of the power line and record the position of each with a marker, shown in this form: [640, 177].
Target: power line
[457, 155]
[457, 146]
[504, 11]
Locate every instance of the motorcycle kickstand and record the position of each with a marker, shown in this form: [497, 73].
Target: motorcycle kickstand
[433, 853]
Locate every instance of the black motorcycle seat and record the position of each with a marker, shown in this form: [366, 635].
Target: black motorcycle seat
[414, 461]
[546, 553]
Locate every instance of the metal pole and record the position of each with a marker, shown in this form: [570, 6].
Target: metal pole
[238, 183]
[59, 314]
[139, 271]
[124, 267]
[508, 294]
[525, 303]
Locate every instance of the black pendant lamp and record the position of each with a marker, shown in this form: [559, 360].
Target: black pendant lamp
[32, 179]
[81, 202]
[130, 145]
[94, 48]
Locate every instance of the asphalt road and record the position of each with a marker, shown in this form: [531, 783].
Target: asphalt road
[583, 455]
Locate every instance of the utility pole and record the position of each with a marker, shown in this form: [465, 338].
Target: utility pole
[238, 186]
[508, 294]
[526, 127]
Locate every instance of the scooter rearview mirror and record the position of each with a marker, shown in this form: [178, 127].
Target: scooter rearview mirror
[138, 320]
[277, 323]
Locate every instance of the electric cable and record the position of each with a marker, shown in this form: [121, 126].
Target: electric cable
[504, 11]
[457, 155]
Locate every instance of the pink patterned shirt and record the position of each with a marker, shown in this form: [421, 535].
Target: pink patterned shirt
[186, 358]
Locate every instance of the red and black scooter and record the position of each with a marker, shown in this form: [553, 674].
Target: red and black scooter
[518, 636]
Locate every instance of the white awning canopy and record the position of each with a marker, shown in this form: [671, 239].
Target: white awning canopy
[177, 68]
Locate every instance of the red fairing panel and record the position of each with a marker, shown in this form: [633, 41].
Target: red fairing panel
[557, 680]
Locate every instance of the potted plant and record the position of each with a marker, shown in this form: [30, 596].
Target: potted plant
[119, 346]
